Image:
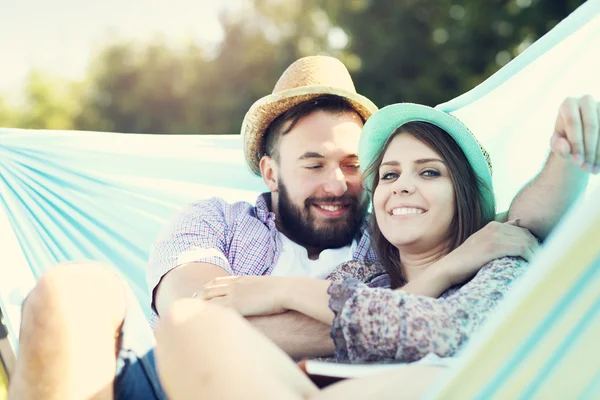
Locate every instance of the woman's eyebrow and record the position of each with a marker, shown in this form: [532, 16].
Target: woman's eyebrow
[392, 163]
[426, 160]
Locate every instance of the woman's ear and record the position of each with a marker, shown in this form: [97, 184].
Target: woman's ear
[269, 171]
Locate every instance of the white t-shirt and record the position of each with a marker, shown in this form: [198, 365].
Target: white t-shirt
[293, 260]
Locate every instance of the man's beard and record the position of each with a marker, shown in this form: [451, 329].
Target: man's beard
[300, 224]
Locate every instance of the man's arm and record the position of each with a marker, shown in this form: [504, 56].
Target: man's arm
[575, 153]
[542, 202]
[493, 241]
[295, 333]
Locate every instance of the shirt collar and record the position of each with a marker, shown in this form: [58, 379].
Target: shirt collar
[263, 207]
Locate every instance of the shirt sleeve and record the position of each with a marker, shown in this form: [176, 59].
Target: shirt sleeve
[361, 270]
[198, 234]
[375, 324]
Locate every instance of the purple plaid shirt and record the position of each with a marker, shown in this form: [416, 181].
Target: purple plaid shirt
[240, 238]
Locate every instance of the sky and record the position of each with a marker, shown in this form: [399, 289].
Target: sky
[60, 37]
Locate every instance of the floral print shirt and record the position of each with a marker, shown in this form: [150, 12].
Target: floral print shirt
[375, 323]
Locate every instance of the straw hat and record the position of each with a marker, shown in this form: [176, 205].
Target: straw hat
[305, 79]
[384, 122]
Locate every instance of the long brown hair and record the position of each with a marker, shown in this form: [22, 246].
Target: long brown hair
[470, 212]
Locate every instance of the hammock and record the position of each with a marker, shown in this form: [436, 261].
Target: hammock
[542, 340]
[69, 196]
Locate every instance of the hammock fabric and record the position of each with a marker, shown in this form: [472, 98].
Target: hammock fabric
[68, 196]
[542, 340]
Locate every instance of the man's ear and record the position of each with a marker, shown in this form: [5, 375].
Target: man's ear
[269, 171]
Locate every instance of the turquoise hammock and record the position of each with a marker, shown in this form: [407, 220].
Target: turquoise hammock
[68, 196]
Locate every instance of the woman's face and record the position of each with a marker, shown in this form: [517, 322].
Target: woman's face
[414, 200]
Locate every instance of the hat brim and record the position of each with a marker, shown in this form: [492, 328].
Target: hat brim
[383, 123]
[264, 111]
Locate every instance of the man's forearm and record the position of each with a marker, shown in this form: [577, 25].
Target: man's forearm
[297, 334]
[543, 202]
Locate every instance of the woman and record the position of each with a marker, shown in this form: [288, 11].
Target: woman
[431, 189]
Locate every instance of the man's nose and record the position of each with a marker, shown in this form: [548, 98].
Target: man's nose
[336, 184]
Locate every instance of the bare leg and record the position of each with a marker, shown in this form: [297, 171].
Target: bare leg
[68, 332]
[410, 382]
[207, 351]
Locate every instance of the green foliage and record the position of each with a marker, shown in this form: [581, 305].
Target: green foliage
[8, 115]
[430, 51]
[51, 103]
[425, 51]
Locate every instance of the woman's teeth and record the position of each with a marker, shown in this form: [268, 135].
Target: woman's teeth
[406, 211]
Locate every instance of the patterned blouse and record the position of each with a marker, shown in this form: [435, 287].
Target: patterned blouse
[375, 323]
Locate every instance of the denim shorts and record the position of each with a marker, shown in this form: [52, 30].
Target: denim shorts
[136, 376]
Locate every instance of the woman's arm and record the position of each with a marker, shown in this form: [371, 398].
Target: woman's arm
[309, 296]
[378, 324]
[268, 295]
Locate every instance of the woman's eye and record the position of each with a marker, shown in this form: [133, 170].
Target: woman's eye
[314, 167]
[388, 176]
[430, 173]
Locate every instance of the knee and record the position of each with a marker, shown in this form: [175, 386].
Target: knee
[78, 293]
[197, 321]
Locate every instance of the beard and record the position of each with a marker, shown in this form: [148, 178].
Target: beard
[301, 225]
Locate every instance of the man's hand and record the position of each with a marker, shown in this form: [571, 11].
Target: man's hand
[495, 240]
[248, 295]
[577, 133]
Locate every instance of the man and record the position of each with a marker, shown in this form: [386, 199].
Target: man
[310, 220]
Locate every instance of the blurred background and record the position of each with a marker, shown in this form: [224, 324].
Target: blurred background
[196, 66]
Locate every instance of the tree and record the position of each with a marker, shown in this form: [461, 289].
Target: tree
[8, 115]
[50, 103]
[424, 51]
[429, 51]
[157, 89]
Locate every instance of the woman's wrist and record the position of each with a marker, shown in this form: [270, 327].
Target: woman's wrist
[285, 286]
[294, 291]
[308, 296]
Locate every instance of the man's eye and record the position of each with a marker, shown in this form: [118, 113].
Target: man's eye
[314, 167]
[388, 176]
[430, 173]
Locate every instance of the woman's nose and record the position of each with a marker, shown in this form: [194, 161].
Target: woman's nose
[405, 184]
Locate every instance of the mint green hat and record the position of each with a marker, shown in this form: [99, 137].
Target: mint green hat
[383, 123]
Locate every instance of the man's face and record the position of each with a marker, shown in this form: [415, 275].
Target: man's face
[319, 200]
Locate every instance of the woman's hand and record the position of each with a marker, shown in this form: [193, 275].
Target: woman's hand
[495, 240]
[248, 295]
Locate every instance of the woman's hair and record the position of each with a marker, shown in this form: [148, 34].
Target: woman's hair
[470, 213]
